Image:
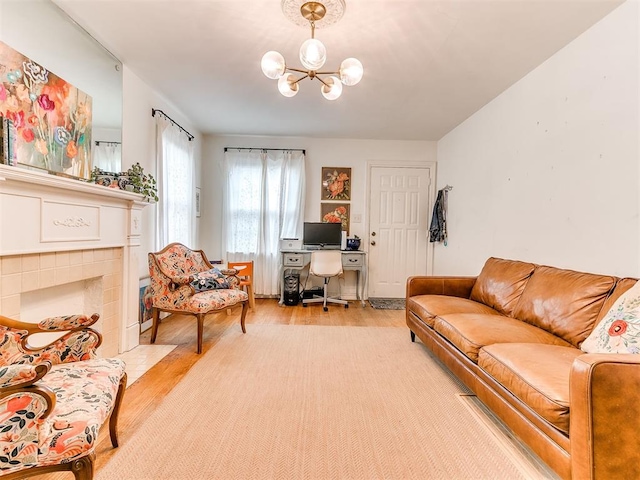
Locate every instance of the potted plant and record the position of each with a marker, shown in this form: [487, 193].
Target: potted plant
[142, 182]
[133, 180]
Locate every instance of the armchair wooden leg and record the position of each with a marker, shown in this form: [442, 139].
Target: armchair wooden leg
[245, 305]
[200, 317]
[155, 314]
[113, 421]
[252, 298]
[82, 468]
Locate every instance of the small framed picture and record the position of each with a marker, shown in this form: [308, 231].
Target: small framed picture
[197, 201]
[336, 183]
[335, 213]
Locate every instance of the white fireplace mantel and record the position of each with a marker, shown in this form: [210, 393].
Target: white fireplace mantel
[44, 213]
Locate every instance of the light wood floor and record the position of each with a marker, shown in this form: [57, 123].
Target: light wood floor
[143, 396]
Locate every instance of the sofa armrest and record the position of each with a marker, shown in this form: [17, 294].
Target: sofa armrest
[452, 286]
[605, 417]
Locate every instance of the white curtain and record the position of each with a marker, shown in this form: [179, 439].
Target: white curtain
[263, 202]
[176, 185]
[107, 156]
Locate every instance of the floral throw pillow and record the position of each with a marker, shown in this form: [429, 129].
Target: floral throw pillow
[209, 280]
[619, 330]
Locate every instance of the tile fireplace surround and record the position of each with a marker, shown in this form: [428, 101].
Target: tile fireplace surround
[69, 244]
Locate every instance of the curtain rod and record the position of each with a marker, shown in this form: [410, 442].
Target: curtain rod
[153, 114]
[102, 142]
[304, 152]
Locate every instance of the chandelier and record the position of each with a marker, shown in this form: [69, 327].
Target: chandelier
[313, 53]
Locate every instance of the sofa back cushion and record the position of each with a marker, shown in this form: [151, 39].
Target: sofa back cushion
[622, 285]
[564, 302]
[501, 283]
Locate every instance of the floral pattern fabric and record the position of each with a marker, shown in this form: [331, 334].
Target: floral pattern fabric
[178, 262]
[19, 430]
[68, 322]
[85, 394]
[619, 330]
[72, 347]
[12, 375]
[210, 280]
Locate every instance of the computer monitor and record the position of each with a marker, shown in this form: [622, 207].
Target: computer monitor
[316, 235]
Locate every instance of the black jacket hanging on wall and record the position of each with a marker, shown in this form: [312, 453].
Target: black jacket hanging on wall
[438, 228]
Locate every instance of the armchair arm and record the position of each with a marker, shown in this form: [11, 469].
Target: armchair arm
[68, 322]
[19, 375]
[79, 343]
[22, 411]
[605, 416]
[444, 285]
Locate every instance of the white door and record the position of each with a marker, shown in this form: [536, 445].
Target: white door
[398, 227]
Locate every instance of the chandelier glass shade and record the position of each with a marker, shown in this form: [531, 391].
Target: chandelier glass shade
[313, 53]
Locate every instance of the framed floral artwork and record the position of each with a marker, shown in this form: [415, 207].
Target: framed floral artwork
[336, 183]
[335, 213]
[51, 118]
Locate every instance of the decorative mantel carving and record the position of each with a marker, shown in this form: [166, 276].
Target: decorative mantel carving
[72, 222]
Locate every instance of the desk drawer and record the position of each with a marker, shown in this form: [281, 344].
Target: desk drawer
[352, 259]
[293, 260]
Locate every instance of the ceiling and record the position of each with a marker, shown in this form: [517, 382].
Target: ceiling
[428, 65]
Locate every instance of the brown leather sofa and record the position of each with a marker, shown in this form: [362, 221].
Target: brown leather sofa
[512, 335]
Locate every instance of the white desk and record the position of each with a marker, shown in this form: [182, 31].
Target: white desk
[299, 259]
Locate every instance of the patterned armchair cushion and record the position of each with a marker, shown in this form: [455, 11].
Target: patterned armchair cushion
[179, 263]
[85, 393]
[215, 300]
[209, 280]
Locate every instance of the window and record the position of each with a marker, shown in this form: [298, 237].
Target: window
[176, 185]
[264, 202]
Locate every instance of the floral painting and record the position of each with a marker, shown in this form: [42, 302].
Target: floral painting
[336, 183]
[335, 213]
[51, 118]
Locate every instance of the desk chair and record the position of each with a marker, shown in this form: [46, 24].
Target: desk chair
[245, 275]
[326, 264]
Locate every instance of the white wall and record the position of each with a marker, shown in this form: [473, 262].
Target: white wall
[548, 171]
[320, 152]
[139, 144]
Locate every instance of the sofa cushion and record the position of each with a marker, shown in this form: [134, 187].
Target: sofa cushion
[619, 331]
[427, 307]
[564, 302]
[470, 332]
[536, 374]
[501, 283]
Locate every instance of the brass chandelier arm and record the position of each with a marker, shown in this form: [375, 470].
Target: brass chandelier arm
[323, 82]
[302, 78]
[327, 73]
[297, 70]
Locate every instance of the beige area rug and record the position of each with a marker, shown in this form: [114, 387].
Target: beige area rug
[315, 402]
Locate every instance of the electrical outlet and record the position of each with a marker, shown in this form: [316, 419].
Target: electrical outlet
[357, 218]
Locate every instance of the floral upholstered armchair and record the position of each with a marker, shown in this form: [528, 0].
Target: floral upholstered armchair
[184, 281]
[55, 398]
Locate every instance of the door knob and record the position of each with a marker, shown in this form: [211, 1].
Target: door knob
[373, 242]
[373, 234]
